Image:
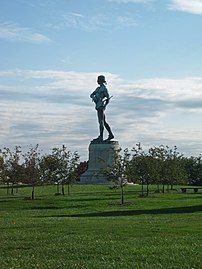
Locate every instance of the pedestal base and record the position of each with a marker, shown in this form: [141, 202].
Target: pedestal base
[101, 155]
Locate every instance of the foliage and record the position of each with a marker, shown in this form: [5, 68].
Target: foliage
[48, 166]
[31, 167]
[160, 165]
[11, 169]
[2, 170]
[67, 163]
[80, 169]
[59, 167]
[118, 173]
[194, 170]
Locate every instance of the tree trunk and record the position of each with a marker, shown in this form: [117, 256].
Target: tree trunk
[58, 188]
[68, 189]
[12, 190]
[142, 188]
[168, 188]
[7, 188]
[63, 190]
[163, 189]
[122, 195]
[147, 188]
[171, 187]
[33, 192]
[158, 188]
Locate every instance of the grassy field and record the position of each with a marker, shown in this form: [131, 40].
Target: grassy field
[90, 229]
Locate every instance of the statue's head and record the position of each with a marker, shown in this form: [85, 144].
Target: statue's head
[101, 79]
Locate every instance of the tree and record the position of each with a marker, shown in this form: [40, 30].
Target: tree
[118, 173]
[81, 168]
[170, 168]
[47, 168]
[31, 168]
[71, 174]
[2, 170]
[140, 167]
[12, 169]
[160, 154]
[160, 165]
[62, 168]
[174, 169]
[193, 167]
[156, 167]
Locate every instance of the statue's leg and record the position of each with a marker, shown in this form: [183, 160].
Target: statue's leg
[100, 115]
[111, 136]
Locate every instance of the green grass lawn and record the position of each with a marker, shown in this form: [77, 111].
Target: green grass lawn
[90, 229]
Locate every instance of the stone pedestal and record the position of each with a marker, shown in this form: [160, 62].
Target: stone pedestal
[101, 155]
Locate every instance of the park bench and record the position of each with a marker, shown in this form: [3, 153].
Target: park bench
[184, 189]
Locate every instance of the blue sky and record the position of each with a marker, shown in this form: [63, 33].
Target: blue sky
[149, 50]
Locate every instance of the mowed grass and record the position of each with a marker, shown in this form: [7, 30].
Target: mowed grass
[90, 229]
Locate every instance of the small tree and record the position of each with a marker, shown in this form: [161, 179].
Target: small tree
[47, 168]
[2, 170]
[161, 165]
[80, 169]
[118, 173]
[65, 172]
[12, 169]
[156, 166]
[174, 168]
[71, 172]
[31, 168]
[193, 167]
[164, 166]
[140, 167]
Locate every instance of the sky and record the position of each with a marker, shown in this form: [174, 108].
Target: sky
[150, 52]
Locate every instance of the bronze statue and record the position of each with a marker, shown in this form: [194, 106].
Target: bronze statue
[101, 98]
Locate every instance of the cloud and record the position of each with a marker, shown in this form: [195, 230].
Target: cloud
[92, 23]
[13, 32]
[59, 86]
[38, 3]
[190, 104]
[126, 21]
[53, 107]
[58, 80]
[190, 6]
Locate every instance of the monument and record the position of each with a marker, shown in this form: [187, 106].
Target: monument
[101, 152]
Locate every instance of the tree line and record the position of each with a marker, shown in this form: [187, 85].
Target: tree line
[162, 166]
[60, 167]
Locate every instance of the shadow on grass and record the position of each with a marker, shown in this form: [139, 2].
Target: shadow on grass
[114, 197]
[173, 210]
[55, 207]
[44, 208]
